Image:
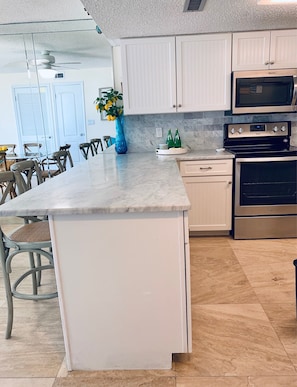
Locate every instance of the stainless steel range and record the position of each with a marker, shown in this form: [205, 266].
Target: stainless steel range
[265, 173]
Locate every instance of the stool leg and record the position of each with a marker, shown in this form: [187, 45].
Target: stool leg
[38, 260]
[8, 292]
[34, 279]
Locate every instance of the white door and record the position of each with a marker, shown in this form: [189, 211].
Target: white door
[33, 116]
[70, 116]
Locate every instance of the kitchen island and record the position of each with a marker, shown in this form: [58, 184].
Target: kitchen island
[121, 250]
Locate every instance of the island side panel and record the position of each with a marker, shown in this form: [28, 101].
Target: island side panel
[122, 289]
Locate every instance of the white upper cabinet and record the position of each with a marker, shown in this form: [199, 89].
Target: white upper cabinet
[203, 72]
[262, 50]
[149, 79]
[182, 74]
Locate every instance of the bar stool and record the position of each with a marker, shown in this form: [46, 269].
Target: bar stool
[32, 238]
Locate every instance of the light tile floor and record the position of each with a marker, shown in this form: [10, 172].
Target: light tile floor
[244, 326]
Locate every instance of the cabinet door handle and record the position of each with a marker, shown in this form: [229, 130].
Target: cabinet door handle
[267, 63]
[272, 62]
[205, 168]
[179, 105]
[174, 106]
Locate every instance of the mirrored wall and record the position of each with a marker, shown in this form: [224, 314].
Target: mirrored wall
[49, 79]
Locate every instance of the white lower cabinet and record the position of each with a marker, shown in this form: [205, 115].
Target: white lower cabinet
[209, 187]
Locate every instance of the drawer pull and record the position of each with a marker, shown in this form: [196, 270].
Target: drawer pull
[205, 168]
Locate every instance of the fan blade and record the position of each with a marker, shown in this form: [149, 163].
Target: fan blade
[62, 63]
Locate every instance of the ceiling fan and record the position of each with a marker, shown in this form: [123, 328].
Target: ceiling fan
[46, 60]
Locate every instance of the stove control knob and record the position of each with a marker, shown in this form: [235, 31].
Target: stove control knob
[283, 128]
[240, 130]
[275, 129]
[232, 130]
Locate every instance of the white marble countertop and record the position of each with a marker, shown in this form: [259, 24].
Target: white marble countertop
[110, 183]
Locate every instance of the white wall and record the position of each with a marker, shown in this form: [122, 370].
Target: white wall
[93, 79]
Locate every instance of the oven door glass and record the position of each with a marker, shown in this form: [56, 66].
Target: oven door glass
[266, 186]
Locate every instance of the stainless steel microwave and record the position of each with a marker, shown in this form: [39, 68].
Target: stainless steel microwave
[264, 91]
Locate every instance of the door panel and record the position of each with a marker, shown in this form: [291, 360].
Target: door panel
[33, 115]
[70, 116]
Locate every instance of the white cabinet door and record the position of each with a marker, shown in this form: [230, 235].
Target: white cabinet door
[203, 72]
[209, 187]
[283, 52]
[161, 77]
[250, 50]
[262, 50]
[149, 75]
[211, 199]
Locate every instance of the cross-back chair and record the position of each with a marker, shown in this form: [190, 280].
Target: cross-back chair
[7, 184]
[32, 149]
[67, 149]
[3, 162]
[108, 140]
[58, 161]
[95, 143]
[10, 149]
[24, 172]
[32, 238]
[86, 149]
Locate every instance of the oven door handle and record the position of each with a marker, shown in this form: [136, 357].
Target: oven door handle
[264, 159]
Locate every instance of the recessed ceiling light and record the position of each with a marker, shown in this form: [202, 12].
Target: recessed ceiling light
[271, 2]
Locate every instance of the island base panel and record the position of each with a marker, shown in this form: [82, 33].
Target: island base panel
[122, 289]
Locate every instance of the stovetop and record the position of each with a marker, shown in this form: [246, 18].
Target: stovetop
[259, 139]
[252, 152]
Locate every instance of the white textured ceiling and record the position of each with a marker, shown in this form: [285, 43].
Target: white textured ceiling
[51, 21]
[131, 18]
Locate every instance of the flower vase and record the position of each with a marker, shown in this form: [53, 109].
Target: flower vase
[120, 141]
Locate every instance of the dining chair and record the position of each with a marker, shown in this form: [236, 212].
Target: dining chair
[7, 184]
[32, 238]
[108, 140]
[59, 160]
[24, 172]
[10, 149]
[32, 148]
[3, 162]
[86, 149]
[67, 149]
[95, 143]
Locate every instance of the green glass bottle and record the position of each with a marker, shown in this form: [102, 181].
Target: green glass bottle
[169, 140]
[177, 141]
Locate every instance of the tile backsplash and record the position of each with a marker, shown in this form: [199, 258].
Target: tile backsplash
[203, 130]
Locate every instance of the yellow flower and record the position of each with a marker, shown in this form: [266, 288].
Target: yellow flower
[108, 105]
[111, 103]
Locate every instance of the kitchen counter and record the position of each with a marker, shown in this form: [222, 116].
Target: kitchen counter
[110, 183]
[106, 183]
[119, 230]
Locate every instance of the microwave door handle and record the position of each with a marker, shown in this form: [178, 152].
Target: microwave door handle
[294, 99]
